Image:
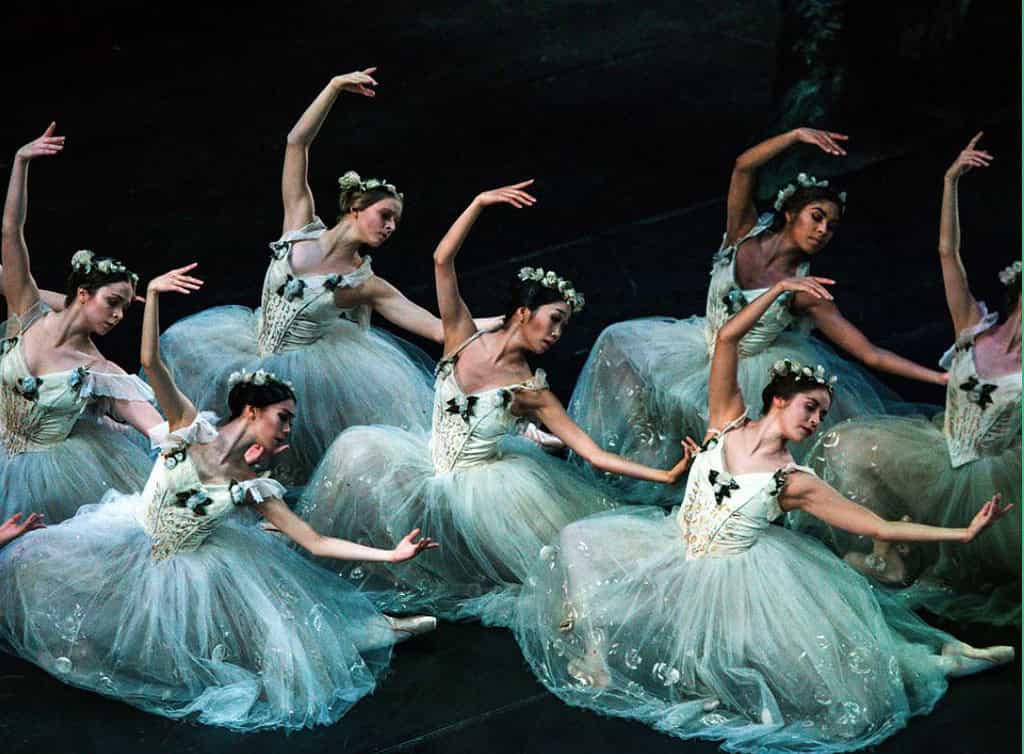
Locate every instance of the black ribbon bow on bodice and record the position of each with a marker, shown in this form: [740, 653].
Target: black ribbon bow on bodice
[463, 408]
[292, 288]
[195, 500]
[723, 484]
[978, 392]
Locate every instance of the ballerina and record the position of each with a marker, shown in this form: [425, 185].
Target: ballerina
[930, 471]
[167, 602]
[644, 385]
[713, 623]
[314, 322]
[492, 498]
[56, 388]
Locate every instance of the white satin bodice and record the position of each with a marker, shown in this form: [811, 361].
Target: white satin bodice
[982, 415]
[180, 510]
[726, 298]
[296, 310]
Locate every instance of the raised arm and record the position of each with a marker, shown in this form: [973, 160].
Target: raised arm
[740, 211]
[963, 307]
[19, 285]
[546, 408]
[300, 532]
[808, 493]
[455, 316]
[178, 409]
[295, 192]
[834, 326]
[52, 299]
[725, 400]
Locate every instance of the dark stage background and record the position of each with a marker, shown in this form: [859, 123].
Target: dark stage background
[628, 115]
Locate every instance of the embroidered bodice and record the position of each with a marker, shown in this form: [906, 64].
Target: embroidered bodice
[982, 415]
[180, 510]
[37, 412]
[467, 429]
[724, 514]
[726, 298]
[296, 310]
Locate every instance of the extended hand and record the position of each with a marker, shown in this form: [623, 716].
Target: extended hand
[176, 280]
[970, 158]
[45, 145]
[990, 512]
[513, 195]
[690, 451]
[827, 141]
[410, 547]
[809, 284]
[12, 529]
[357, 81]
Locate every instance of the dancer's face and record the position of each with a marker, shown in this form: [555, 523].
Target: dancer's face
[813, 226]
[542, 327]
[104, 309]
[271, 425]
[801, 415]
[377, 222]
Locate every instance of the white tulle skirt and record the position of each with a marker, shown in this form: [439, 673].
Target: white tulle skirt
[351, 376]
[782, 647]
[242, 633]
[376, 484]
[645, 387]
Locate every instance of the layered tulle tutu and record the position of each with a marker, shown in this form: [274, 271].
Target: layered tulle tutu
[375, 484]
[243, 632]
[782, 647]
[645, 387]
[349, 376]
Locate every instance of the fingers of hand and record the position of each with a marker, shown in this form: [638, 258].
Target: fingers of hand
[973, 142]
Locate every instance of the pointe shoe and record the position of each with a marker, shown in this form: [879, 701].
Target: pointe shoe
[888, 569]
[590, 670]
[960, 659]
[413, 625]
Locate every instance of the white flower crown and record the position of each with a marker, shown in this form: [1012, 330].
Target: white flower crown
[1011, 273]
[84, 260]
[550, 279]
[802, 181]
[351, 181]
[796, 370]
[259, 377]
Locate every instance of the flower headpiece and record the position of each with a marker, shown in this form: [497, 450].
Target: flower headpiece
[550, 279]
[796, 370]
[259, 378]
[85, 260]
[352, 182]
[1008, 275]
[803, 181]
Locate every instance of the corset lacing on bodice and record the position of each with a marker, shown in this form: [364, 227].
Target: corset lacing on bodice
[726, 299]
[467, 429]
[296, 310]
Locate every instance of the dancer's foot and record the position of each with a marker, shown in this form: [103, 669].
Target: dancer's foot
[960, 659]
[413, 625]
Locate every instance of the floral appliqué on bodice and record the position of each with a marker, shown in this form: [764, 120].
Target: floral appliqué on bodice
[724, 514]
[468, 429]
[180, 510]
[982, 414]
[726, 298]
[296, 310]
[37, 412]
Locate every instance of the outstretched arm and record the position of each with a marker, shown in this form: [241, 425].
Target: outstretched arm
[963, 307]
[808, 493]
[304, 535]
[52, 299]
[834, 326]
[178, 409]
[546, 408]
[740, 212]
[295, 191]
[455, 317]
[19, 285]
[725, 401]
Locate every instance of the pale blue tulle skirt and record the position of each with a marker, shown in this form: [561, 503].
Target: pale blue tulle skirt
[900, 466]
[644, 388]
[351, 376]
[243, 633]
[55, 481]
[376, 484]
[799, 651]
